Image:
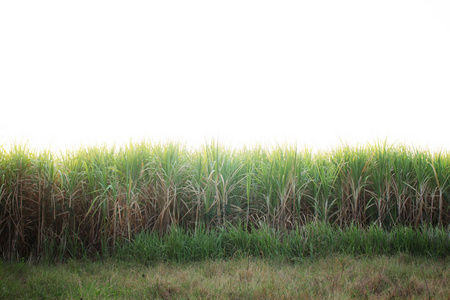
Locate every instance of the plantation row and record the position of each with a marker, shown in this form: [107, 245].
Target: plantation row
[98, 196]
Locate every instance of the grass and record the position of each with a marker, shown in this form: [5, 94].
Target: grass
[92, 201]
[332, 277]
[314, 240]
[162, 221]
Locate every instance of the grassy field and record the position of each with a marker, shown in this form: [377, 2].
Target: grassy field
[332, 277]
[94, 200]
[163, 221]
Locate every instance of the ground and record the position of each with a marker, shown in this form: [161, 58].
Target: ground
[332, 277]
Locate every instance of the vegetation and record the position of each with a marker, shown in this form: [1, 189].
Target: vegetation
[314, 240]
[332, 277]
[95, 201]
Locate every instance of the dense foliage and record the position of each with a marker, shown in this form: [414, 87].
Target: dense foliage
[313, 240]
[93, 199]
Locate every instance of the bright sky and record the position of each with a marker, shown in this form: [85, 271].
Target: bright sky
[310, 72]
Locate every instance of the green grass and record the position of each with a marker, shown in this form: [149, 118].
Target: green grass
[332, 277]
[314, 240]
[91, 201]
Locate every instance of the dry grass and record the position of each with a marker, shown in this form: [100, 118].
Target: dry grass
[335, 277]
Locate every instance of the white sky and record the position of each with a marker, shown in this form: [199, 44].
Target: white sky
[311, 72]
